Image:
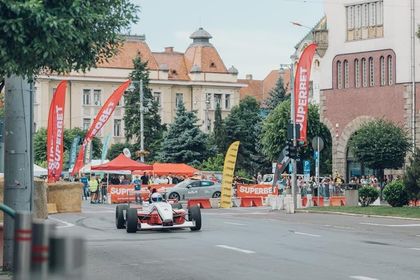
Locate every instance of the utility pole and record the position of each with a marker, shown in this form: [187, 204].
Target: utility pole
[141, 122]
[413, 75]
[293, 120]
[18, 180]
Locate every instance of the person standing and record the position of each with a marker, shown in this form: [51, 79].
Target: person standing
[104, 188]
[84, 180]
[137, 190]
[144, 179]
[93, 188]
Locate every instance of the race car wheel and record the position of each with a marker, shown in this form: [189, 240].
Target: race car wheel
[174, 195]
[177, 206]
[194, 214]
[132, 220]
[216, 195]
[119, 216]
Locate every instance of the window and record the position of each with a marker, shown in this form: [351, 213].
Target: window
[217, 100]
[372, 14]
[121, 101]
[194, 184]
[357, 73]
[97, 97]
[339, 75]
[364, 72]
[365, 15]
[346, 74]
[156, 96]
[382, 65]
[350, 17]
[86, 97]
[390, 71]
[86, 123]
[117, 127]
[208, 100]
[362, 16]
[179, 99]
[358, 19]
[379, 13]
[371, 73]
[206, 183]
[227, 101]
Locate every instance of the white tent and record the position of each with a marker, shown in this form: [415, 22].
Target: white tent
[39, 171]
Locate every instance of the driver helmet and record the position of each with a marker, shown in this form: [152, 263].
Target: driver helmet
[156, 197]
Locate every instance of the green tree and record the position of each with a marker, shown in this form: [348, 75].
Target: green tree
[60, 36]
[412, 177]
[219, 131]
[274, 134]
[184, 142]
[153, 129]
[117, 148]
[380, 144]
[214, 163]
[277, 95]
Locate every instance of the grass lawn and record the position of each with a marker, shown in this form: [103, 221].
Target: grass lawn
[406, 212]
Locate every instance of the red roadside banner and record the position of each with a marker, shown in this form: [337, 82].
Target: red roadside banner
[101, 118]
[125, 193]
[303, 74]
[255, 190]
[55, 133]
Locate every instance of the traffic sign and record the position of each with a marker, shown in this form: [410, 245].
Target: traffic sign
[315, 142]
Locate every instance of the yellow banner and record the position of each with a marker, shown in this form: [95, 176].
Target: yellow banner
[228, 170]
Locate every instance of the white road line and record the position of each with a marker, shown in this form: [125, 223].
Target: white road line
[66, 224]
[385, 225]
[98, 212]
[418, 235]
[415, 249]
[306, 234]
[235, 249]
[235, 224]
[363, 278]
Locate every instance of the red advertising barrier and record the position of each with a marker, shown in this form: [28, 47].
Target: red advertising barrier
[125, 193]
[160, 187]
[255, 191]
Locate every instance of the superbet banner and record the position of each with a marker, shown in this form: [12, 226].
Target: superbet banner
[55, 133]
[303, 74]
[101, 118]
[255, 190]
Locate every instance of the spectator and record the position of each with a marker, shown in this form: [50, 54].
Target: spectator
[259, 178]
[145, 179]
[85, 182]
[137, 189]
[125, 180]
[94, 189]
[104, 187]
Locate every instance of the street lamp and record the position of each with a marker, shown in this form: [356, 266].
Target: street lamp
[141, 93]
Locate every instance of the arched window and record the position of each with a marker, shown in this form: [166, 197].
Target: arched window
[346, 74]
[364, 73]
[390, 71]
[356, 73]
[339, 75]
[382, 64]
[371, 73]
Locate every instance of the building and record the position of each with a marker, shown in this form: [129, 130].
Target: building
[197, 77]
[366, 71]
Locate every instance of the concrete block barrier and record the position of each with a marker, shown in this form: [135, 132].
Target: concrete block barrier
[202, 202]
[215, 202]
[337, 201]
[251, 201]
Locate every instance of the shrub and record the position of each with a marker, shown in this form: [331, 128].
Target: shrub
[396, 194]
[368, 195]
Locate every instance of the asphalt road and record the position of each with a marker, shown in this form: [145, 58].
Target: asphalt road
[250, 243]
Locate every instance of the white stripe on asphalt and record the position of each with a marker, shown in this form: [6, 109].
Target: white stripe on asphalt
[416, 249]
[418, 235]
[363, 278]
[235, 224]
[385, 225]
[98, 212]
[235, 249]
[66, 224]
[306, 234]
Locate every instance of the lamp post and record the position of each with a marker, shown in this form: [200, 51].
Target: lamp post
[141, 95]
[413, 74]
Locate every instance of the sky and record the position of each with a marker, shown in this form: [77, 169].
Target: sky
[254, 36]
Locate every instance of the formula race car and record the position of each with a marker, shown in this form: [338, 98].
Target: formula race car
[158, 214]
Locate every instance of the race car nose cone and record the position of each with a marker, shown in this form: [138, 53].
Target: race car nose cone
[168, 223]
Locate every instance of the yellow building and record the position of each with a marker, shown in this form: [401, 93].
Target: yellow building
[198, 78]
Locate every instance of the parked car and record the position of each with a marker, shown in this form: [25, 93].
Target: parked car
[194, 189]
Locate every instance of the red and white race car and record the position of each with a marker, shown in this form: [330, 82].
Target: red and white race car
[157, 215]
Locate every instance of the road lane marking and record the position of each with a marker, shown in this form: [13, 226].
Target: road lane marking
[385, 225]
[306, 234]
[415, 249]
[236, 249]
[418, 235]
[363, 278]
[235, 224]
[66, 224]
[98, 212]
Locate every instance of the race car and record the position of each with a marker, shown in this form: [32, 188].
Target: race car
[158, 214]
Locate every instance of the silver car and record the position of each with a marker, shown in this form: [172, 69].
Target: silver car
[194, 189]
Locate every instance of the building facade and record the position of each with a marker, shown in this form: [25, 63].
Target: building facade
[197, 77]
[366, 72]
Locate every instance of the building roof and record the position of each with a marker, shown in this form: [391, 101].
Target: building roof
[205, 57]
[175, 64]
[254, 88]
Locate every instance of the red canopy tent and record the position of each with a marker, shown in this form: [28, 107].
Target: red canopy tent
[122, 162]
[172, 168]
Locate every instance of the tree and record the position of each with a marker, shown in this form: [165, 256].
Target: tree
[117, 148]
[153, 129]
[412, 177]
[277, 95]
[214, 163]
[380, 144]
[219, 131]
[184, 142]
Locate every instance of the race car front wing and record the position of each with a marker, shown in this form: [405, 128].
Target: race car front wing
[186, 224]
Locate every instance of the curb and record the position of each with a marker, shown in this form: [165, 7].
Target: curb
[357, 215]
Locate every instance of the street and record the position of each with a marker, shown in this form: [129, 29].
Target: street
[249, 243]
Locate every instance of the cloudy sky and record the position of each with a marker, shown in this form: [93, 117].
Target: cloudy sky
[254, 36]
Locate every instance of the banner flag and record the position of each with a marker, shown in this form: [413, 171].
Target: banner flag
[303, 74]
[228, 172]
[105, 145]
[101, 118]
[55, 133]
[73, 151]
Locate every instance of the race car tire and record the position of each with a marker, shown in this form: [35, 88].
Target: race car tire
[132, 220]
[177, 206]
[119, 216]
[174, 195]
[194, 214]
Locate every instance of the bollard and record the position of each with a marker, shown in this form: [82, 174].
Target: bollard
[22, 246]
[41, 231]
[67, 257]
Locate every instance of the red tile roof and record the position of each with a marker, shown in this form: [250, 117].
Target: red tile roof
[206, 57]
[175, 62]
